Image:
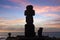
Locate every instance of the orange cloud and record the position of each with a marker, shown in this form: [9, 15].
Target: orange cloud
[15, 21]
[11, 22]
[11, 25]
[8, 29]
[52, 25]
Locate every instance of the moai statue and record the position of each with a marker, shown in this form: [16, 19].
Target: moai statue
[29, 26]
[40, 32]
[29, 13]
[9, 37]
[9, 34]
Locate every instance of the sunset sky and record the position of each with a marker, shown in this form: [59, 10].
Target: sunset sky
[12, 18]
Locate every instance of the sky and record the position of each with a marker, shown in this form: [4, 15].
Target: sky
[47, 15]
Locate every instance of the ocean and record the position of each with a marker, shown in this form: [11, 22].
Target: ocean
[4, 35]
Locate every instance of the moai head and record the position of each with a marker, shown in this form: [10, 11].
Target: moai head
[41, 28]
[40, 31]
[29, 7]
[29, 11]
[9, 34]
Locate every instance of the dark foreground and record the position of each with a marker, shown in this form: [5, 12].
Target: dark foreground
[32, 38]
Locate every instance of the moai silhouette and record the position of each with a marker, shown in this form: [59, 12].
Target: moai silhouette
[40, 32]
[29, 30]
[9, 34]
[9, 37]
[29, 13]
[29, 26]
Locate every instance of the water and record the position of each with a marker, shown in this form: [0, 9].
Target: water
[50, 34]
[4, 35]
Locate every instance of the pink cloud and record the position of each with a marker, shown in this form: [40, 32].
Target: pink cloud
[5, 6]
[21, 2]
[56, 8]
[8, 6]
[52, 15]
[42, 9]
[37, 8]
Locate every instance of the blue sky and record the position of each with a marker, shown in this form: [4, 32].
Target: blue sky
[47, 14]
